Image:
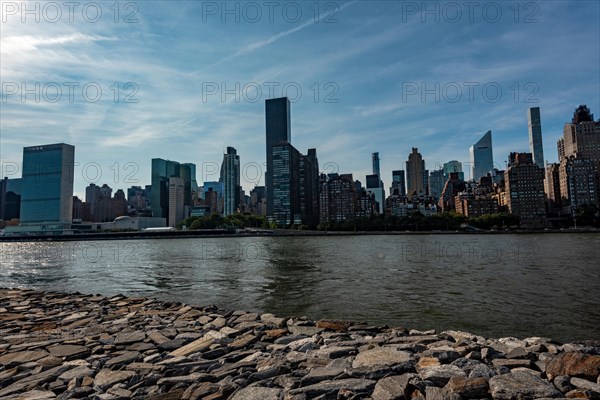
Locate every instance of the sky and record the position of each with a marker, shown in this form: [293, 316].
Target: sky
[125, 82]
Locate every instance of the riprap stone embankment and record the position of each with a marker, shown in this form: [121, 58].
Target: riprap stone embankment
[66, 346]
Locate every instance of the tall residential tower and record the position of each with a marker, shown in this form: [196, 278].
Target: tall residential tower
[535, 136]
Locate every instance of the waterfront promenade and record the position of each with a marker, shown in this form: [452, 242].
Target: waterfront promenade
[55, 345]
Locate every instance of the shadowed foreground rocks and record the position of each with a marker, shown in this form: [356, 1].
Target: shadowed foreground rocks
[62, 346]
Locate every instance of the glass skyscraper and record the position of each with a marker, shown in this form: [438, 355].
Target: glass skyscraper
[453, 166]
[286, 184]
[398, 182]
[376, 169]
[47, 183]
[278, 129]
[482, 158]
[162, 170]
[230, 176]
[535, 136]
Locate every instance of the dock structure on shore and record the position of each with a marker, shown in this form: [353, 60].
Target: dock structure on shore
[64, 346]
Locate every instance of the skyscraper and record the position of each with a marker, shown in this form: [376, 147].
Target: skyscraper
[176, 199]
[47, 183]
[10, 198]
[376, 188]
[278, 128]
[286, 184]
[162, 170]
[295, 186]
[309, 188]
[482, 159]
[230, 176]
[398, 183]
[193, 184]
[376, 170]
[375, 184]
[416, 177]
[436, 183]
[535, 136]
[453, 166]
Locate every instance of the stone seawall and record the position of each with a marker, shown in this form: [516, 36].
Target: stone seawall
[66, 346]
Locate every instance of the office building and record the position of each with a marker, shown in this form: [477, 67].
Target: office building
[278, 129]
[230, 177]
[436, 183]
[10, 199]
[416, 176]
[258, 201]
[536, 147]
[375, 187]
[453, 166]
[295, 186]
[176, 201]
[286, 184]
[524, 183]
[482, 159]
[194, 188]
[398, 183]
[309, 188]
[47, 183]
[162, 170]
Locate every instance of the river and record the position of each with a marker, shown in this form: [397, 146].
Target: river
[494, 285]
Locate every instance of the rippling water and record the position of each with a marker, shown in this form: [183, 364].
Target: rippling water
[494, 285]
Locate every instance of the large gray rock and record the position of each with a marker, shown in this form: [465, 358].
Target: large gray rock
[107, 378]
[393, 387]
[125, 358]
[77, 372]
[441, 374]
[381, 357]
[22, 357]
[359, 386]
[332, 370]
[129, 337]
[468, 388]
[69, 351]
[521, 385]
[585, 384]
[258, 393]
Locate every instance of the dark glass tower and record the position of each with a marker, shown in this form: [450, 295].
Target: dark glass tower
[230, 176]
[535, 136]
[278, 129]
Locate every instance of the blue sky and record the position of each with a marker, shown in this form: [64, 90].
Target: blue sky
[374, 76]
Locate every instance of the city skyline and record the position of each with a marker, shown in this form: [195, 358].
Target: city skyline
[370, 115]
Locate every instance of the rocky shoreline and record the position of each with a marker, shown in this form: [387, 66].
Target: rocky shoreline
[66, 346]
